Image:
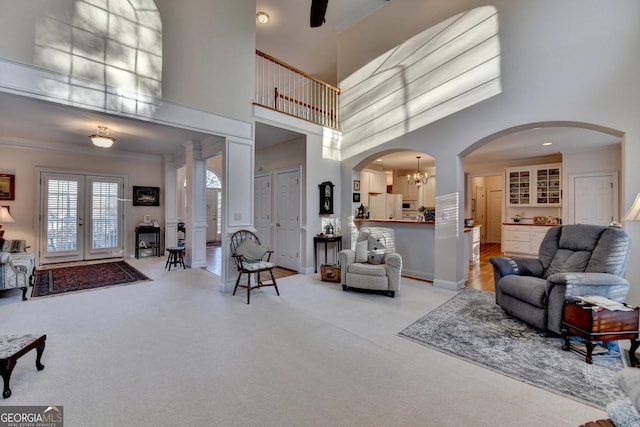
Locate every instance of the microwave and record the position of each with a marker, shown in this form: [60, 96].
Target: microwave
[409, 205]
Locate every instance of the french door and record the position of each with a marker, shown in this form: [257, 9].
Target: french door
[81, 217]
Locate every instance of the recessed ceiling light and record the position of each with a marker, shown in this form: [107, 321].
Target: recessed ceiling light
[262, 17]
[378, 160]
[547, 143]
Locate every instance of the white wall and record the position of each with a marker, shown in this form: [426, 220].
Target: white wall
[201, 69]
[569, 61]
[22, 163]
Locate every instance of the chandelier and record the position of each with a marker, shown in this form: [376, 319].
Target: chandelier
[418, 179]
[102, 138]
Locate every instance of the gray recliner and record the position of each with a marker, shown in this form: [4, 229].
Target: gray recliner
[374, 265]
[574, 260]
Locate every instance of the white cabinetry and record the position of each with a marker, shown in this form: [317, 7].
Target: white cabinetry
[522, 240]
[410, 192]
[539, 185]
[427, 194]
[372, 182]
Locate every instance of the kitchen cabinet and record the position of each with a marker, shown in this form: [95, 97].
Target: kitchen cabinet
[523, 240]
[539, 185]
[427, 193]
[410, 192]
[372, 182]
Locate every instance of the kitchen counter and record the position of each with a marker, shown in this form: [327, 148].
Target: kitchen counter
[395, 221]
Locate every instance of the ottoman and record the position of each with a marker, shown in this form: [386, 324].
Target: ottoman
[13, 347]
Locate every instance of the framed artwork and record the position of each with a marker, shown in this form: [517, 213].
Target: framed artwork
[146, 196]
[356, 197]
[356, 185]
[7, 187]
[326, 197]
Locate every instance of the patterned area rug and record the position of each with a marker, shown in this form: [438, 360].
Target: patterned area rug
[471, 326]
[79, 278]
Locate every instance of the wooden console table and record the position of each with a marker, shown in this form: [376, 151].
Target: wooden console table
[325, 239]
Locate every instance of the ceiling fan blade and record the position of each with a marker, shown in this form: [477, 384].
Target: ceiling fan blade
[318, 10]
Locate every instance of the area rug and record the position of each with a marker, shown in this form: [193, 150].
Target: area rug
[79, 278]
[472, 327]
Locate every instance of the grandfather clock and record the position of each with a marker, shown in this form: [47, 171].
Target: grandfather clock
[326, 198]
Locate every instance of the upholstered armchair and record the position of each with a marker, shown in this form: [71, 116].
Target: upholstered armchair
[574, 260]
[16, 266]
[374, 265]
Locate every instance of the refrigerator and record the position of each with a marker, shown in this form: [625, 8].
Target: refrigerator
[385, 206]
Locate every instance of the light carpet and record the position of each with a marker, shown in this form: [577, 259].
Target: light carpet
[471, 326]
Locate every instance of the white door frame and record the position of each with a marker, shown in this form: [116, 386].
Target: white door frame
[270, 226]
[87, 254]
[614, 193]
[275, 211]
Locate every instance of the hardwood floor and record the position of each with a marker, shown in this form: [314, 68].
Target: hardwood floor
[481, 275]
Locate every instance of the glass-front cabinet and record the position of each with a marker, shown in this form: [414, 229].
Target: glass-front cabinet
[535, 185]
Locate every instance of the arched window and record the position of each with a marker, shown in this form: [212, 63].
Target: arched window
[213, 181]
[116, 44]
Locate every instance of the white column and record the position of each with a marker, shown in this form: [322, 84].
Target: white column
[449, 226]
[238, 171]
[196, 221]
[170, 203]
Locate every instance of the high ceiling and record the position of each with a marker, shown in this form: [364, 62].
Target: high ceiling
[289, 37]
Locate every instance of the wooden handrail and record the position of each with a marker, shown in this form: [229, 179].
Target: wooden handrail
[294, 69]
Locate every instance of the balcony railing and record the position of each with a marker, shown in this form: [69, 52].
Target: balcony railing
[286, 89]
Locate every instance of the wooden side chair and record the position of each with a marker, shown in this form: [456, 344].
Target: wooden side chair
[251, 259]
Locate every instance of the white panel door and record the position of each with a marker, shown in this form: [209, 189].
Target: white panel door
[288, 219]
[494, 217]
[594, 200]
[262, 209]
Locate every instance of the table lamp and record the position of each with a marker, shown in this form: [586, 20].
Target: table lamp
[633, 214]
[5, 217]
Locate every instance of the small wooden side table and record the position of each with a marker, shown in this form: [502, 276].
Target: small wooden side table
[593, 325]
[13, 347]
[175, 257]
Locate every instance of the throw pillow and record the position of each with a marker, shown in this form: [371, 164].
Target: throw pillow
[376, 243]
[251, 251]
[361, 251]
[375, 257]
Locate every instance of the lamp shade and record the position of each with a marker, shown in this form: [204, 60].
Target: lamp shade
[633, 214]
[5, 216]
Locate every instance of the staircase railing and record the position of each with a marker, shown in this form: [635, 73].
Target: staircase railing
[284, 88]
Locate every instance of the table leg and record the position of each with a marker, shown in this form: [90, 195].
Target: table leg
[635, 343]
[325, 251]
[315, 257]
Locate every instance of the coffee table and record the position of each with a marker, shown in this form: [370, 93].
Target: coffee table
[594, 324]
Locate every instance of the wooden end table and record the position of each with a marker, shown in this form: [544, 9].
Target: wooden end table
[600, 325]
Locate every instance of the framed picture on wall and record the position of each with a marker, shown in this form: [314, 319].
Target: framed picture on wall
[356, 185]
[356, 197]
[146, 196]
[7, 187]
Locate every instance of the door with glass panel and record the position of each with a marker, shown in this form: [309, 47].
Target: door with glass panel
[82, 217]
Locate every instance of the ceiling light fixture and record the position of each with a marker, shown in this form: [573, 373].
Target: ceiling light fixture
[547, 143]
[418, 179]
[262, 17]
[102, 138]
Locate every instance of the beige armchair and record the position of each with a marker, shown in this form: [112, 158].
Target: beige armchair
[17, 266]
[374, 265]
